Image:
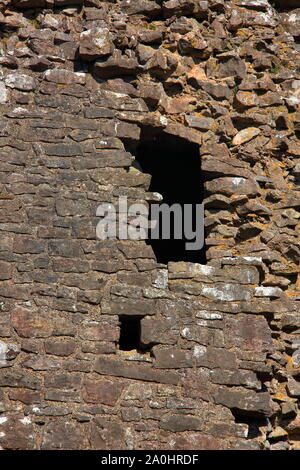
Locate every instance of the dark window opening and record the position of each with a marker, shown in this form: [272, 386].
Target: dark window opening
[286, 6]
[175, 167]
[130, 333]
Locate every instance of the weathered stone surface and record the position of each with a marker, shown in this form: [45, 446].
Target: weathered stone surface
[20, 82]
[3, 93]
[102, 391]
[151, 92]
[249, 333]
[217, 91]
[20, 378]
[196, 440]
[215, 357]
[106, 435]
[294, 427]
[202, 123]
[226, 377]
[5, 271]
[197, 384]
[252, 403]
[17, 432]
[179, 423]
[216, 166]
[27, 245]
[99, 331]
[116, 66]
[273, 292]
[227, 292]
[245, 135]
[30, 324]
[95, 43]
[60, 347]
[245, 99]
[158, 331]
[64, 77]
[162, 63]
[171, 358]
[118, 368]
[291, 21]
[62, 381]
[41, 363]
[8, 352]
[146, 7]
[62, 435]
[87, 89]
[232, 66]
[230, 186]
[28, 397]
[293, 388]
[290, 321]
[130, 307]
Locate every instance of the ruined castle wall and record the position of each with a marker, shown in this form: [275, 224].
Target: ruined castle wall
[82, 83]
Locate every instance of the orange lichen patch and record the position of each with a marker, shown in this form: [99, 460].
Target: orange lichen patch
[291, 295]
[291, 365]
[281, 397]
[198, 73]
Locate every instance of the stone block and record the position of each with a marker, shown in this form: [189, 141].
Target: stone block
[172, 358]
[102, 391]
[65, 435]
[246, 402]
[60, 347]
[159, 331]
[107, 435]
[120, 368]
[181, 423]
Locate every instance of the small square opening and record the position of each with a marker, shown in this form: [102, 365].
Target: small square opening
[130, 333]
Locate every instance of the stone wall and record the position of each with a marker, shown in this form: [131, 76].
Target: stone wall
[79, 82]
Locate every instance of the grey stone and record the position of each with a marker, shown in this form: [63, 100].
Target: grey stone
[118, 368]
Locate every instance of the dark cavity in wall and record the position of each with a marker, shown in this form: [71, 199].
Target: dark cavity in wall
[175, 167]
[130, 333]
[284, 5]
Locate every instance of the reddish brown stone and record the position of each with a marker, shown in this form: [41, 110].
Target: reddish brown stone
[196, 384]
[28, 323]
[249, 333]
[99, 331]
[121, 368]
[5, 271]
[60, 347]
[63, 435]
[17, 432]
[106, 435]
[102, 391]
[25, 396]
[195, 441]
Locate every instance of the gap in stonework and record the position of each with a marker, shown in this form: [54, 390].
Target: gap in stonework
[130, 334]
[175, 166]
